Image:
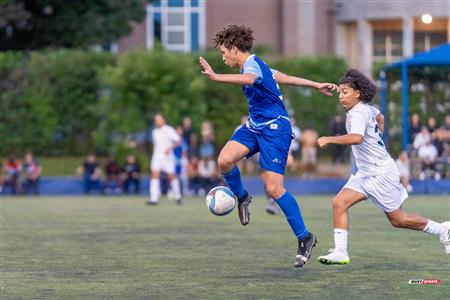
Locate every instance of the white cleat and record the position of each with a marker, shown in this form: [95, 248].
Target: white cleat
[334, 258]
[445, 237]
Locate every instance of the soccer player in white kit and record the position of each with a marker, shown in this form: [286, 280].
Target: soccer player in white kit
[165, 139]
[377, 176]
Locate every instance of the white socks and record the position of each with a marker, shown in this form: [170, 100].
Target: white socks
[434, 228]
[155, 190]
[340, 239]
[175, 186]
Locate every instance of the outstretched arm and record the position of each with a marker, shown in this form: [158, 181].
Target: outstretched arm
[241, 79]
[324, 88]
[346, 139]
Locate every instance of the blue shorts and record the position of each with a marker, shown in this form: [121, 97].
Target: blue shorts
[273, 149]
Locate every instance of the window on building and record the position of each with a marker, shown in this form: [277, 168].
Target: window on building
[177, 24]
[425, 40]
[387, 45]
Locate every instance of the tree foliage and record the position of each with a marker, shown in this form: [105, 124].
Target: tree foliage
[37, 24]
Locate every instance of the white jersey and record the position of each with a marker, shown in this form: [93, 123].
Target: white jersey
[163, 139]
[371, 156]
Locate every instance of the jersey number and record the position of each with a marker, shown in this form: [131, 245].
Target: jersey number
[377, 130]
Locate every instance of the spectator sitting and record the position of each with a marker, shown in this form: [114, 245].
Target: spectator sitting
[414, 127]
[422, 138]
[132, 172]
[431, 124]
[12, 171]
[32, 171]
[194, 179]
[403, 165]
[427, 155]
[112, 182]
[91, 174]
[447, 123]
[207, 171]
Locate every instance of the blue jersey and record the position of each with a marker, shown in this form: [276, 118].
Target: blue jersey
[267, 113]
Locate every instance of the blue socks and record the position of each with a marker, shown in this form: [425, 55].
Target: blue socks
[289, 206]
[233, 180]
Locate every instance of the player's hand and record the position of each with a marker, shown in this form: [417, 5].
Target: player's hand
[322, 142]
[207, 70]
[327, 88]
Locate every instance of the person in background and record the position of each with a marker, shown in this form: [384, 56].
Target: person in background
[422, 138]
[187, 132]
[193, 175]
[414, 127]
[309, 150]
[132, 173]
[13, 168]
[294, 149]
[32, 171]
[165, 140]
[112, 182]
[337, 128]
[403, 166]
[432, 124]
[181, 161]
[207, 171]
[1, 178]
[91, 174]
[428, 154]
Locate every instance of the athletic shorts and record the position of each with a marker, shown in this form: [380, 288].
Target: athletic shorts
[385, 190]
[163, 162]
[273, 149]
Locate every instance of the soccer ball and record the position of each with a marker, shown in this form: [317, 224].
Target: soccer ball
[220, 200]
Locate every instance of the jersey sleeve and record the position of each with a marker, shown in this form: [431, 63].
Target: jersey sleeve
[273, 71]
[252, 67]
[358, 123]
[174, 136]
[375, 111]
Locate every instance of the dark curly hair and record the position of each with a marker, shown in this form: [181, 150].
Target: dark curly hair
[240, 37]
[358, 81]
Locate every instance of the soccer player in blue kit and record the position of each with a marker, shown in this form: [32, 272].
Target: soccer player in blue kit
[267, 130]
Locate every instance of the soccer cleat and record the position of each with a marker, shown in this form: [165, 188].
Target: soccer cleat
[179, 201]
[304, 250]
[336, 257]
[151, 202]
[445, 237]
[244, 213]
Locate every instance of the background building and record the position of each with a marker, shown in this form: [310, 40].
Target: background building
[363, 32]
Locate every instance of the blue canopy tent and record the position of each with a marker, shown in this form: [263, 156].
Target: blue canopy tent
[438, 56]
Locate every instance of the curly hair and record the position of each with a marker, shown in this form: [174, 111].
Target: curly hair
[358, 81]
[240, 37]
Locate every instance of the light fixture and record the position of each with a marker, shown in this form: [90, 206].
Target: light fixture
[427, 18]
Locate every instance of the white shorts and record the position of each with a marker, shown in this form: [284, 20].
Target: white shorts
[165, 163]
[385, 190]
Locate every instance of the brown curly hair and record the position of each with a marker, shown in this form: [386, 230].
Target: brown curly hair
[240, 37]
[358, 81]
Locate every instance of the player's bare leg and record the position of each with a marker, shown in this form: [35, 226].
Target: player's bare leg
[399, 218]
[341, 203]
[231, 153]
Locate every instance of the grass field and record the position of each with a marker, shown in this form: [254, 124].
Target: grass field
[117, 248]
